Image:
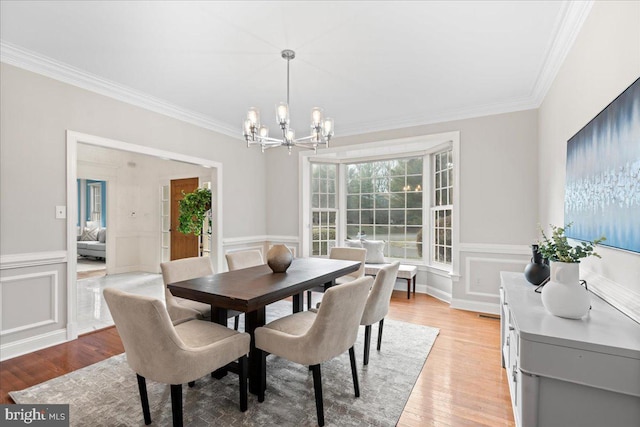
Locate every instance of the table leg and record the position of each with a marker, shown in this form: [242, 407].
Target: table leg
[298, 302]
[253, 320]
[219, 316]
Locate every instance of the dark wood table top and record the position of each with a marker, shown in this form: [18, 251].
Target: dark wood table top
[251, 288]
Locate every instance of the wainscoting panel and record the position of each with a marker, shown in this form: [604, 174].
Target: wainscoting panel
[38, 291]
[477, 288]
[32, 302]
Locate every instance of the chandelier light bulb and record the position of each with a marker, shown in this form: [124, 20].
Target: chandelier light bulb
[316, 117]
[282, 114]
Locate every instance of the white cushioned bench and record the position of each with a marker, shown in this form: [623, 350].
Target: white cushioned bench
[407, 272]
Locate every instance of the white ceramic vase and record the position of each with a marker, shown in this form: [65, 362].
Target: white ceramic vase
[563, 295]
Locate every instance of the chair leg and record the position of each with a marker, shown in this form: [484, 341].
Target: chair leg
[191, 383]
[317, 388]
[309, 302]
[354, 371]
[263, 377]
[367, 343]
[244, 365]
[144, 399]
[235, 322]
[380, 325]
[176, 404]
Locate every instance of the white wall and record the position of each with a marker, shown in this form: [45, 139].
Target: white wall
[604, 61]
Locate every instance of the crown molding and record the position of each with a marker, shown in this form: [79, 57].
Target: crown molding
[445, 116]
[37, 63]
[567, 28]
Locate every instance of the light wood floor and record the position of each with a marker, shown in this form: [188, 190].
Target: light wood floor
[462, 383]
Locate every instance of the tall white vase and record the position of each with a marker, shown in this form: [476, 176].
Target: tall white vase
[563, 295]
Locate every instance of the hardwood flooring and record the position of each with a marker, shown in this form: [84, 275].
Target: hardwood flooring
[461, 384]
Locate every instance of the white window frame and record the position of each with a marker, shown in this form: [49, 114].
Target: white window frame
[405, 147]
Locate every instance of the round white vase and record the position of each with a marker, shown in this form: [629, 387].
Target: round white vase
[563, 295]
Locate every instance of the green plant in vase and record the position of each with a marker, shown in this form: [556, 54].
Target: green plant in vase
[564, 296]
[192, 211]
[557, 247]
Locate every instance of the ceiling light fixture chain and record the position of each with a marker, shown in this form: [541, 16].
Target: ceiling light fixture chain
[322, 129]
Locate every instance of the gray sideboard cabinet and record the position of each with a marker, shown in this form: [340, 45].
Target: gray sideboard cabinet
[564, 372]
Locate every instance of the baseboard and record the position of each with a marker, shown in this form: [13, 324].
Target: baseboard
[480, 307]
[435, 292]
[31, 344]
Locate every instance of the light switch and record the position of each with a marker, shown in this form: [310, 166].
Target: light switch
[61, 212]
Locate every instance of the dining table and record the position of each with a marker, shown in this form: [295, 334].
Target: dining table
[250, 290]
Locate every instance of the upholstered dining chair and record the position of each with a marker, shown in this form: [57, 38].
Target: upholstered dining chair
[244, 259]
[174, 354]
[185, 269]
[377, 305]
[348, 254]
[313, 337]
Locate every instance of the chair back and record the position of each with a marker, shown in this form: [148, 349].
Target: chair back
[185, 269]
[244, 259]
[335, 327]
[350, 254]
[149, 338]
[377, 305]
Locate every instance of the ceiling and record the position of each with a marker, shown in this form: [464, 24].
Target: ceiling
[371, 65]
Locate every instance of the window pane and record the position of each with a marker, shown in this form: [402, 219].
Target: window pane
[381, 233]
[382, 200]
[366, 201]
[353, 202]
[353, 217]
[352, 231]
[414, 216]
[414, 200]
[397, 217]
[367, 230]
[398, 200]
[366, 216]
[382, 216]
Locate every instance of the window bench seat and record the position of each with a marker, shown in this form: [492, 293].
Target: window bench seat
[407, 272]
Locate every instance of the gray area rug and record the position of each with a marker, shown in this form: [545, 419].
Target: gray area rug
[106, 393]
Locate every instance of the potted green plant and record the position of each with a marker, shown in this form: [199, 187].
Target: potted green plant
[193, 211]
[564, 296]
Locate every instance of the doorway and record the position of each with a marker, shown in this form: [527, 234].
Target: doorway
[128, 213]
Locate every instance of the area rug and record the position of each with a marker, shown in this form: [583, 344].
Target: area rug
[106, 393]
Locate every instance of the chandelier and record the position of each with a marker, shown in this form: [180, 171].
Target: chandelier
[257, 134]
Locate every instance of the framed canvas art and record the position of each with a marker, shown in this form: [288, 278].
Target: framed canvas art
[602, 190]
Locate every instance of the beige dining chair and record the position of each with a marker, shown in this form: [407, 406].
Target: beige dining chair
[348, 254]
[311, 338]
[244, 259]
[377, 305]
[185, 269]
[174, 354]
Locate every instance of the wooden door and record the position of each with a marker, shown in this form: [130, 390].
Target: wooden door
[182, 245]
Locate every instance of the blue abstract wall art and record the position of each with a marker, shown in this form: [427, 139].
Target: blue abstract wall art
[602, 193]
